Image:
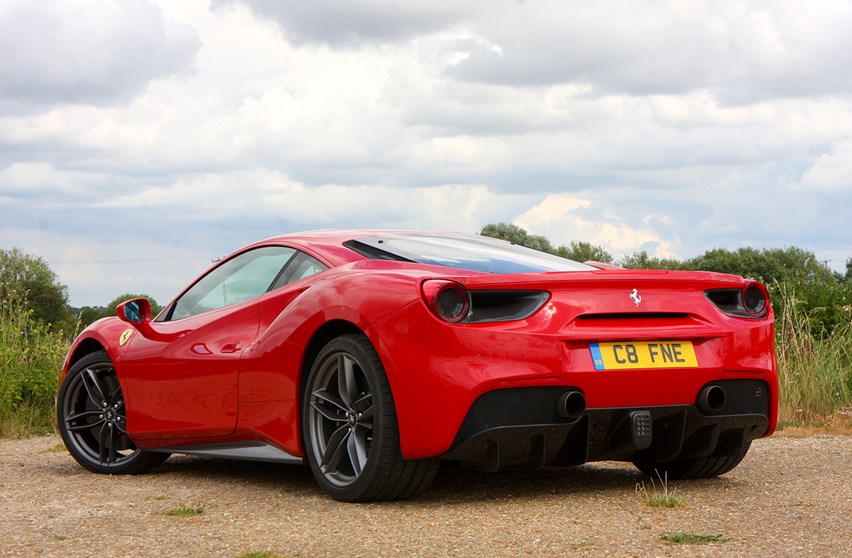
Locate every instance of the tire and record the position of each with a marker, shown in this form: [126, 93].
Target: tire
[700, 468]
[92, 420]
[350, 430]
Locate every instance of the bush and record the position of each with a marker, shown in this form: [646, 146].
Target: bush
[30, 358]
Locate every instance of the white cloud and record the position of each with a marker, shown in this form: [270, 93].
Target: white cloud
[562, 219]
[831, 172]
[77, 51]
[673, 127]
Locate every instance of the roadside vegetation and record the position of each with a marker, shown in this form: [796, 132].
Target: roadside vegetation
[30, 356]
[813, 312]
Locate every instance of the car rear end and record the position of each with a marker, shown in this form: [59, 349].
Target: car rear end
[567, 367]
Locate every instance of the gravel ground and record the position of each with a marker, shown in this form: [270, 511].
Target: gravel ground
[790, 497]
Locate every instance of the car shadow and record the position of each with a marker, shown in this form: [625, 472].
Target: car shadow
[451, 484]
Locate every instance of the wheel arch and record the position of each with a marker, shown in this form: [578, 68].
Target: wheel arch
[319, 339]
[81, 349]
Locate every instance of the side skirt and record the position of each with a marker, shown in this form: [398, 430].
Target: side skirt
[248, 451]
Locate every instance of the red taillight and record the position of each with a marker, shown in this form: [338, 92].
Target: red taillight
[755, 300]
[446, 299]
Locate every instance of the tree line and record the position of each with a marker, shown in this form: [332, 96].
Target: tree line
[29, 280]
[825, 296]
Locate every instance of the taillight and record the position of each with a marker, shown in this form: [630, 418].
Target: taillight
[446, 299]
[453, 303]
[752, 301]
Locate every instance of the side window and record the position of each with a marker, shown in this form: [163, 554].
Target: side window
[301, 266]
[243, 277]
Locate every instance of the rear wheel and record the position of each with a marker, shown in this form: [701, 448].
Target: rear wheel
[350, 430]
[92, 420]
[701, 468]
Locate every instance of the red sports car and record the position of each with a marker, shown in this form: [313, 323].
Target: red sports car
[375, 355]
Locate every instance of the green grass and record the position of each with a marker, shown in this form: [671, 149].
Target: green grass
[693, 538]
[30, 358]
[659, 498]
[814, 368]
[184, 511]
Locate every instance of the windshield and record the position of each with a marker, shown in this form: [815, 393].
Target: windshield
[476, 253]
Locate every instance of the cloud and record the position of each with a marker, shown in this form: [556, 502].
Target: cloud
[673, 127]
[831, 172]
[563, 218]
[741, 53]
[346, 23]
[83, 52]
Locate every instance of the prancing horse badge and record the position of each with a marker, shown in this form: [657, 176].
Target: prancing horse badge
[634, 296]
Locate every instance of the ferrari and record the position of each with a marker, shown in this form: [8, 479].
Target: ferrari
[375, 356]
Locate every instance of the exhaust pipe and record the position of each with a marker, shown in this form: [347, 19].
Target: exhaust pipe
[711, 399]
[571, 405]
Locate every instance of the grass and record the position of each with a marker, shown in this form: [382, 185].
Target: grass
[184, 511]
[814, 369]
[692, 538]
[30, 358]
[662, 498]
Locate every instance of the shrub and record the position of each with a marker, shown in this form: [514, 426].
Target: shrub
[30, 358]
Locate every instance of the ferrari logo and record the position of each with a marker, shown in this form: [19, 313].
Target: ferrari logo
[634, 296]
[125, 336]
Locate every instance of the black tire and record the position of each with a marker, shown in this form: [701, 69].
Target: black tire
[92, 420]
[350, 430]
[701, 468]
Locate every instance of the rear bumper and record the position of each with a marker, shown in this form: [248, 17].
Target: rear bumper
[521, 427]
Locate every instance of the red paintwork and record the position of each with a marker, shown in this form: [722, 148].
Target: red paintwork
[234, 374]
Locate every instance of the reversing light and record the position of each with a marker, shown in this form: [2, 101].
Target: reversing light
[446, 299]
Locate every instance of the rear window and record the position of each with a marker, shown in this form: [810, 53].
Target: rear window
[476, 253]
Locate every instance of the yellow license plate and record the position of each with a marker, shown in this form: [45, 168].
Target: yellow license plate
[643, 354]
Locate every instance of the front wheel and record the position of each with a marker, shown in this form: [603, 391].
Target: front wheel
[700, 468]
[92, 420]
[350, 430]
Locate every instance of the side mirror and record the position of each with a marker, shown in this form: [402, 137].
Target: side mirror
[135, 311]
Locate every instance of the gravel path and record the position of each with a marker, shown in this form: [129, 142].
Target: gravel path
[790, 497]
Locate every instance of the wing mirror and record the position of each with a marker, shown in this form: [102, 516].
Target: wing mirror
[136, 311]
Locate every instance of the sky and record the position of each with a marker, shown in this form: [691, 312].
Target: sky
[142, 139]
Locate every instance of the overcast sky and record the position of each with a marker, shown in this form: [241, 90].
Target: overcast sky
[141, 139]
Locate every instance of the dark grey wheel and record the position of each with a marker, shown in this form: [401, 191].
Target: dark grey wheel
[700, 468]
[92, 420]
[350, 430]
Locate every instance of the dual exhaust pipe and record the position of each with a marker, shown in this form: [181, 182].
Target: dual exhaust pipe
[572, 404]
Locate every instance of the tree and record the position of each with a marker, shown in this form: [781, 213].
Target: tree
[580, 251]
[517, 235]
[31, 279]
[641, 260]
[768, 265]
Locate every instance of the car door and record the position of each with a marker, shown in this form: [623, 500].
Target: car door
[187, 386]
